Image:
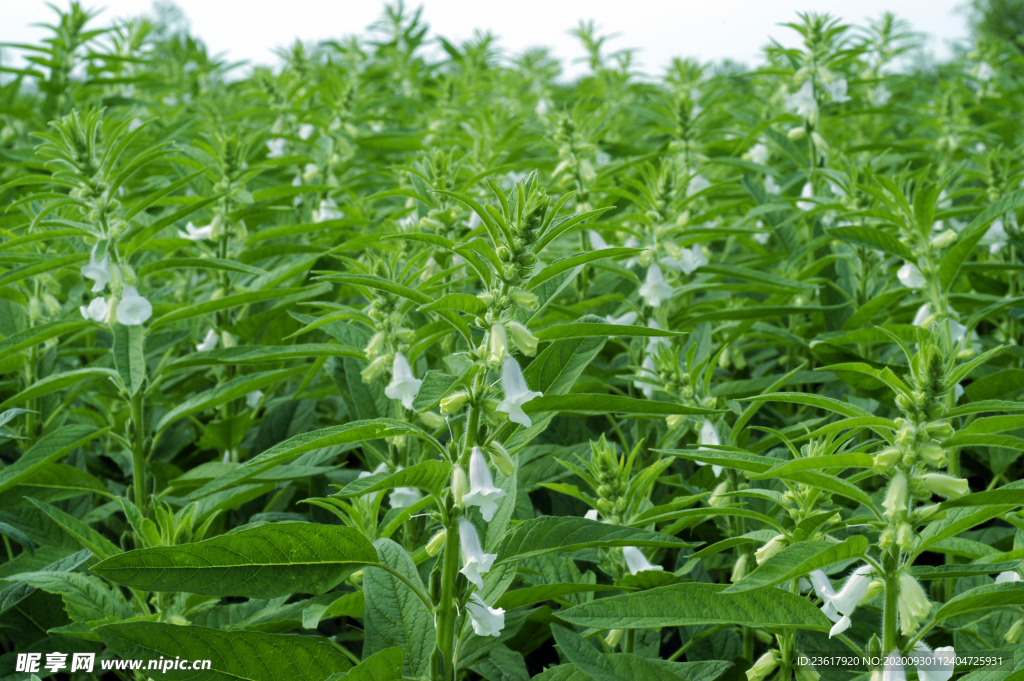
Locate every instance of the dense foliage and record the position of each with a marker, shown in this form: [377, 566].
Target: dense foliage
[377, 364]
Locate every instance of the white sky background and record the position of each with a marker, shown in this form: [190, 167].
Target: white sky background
[707, 29]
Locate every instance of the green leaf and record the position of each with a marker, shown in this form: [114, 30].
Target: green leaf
[385, 665]
[556, 268]
[431, 475]
[37, 334]
[86, 598]
[257, 562]
[987, 597]
[598, 330]
[129, 358]
[530, 595]
[79, 531]
[56, 382]
[799, 559]
[542, 535]
[50, 448]
[233, 655]
[265, 354]
[587, 403]
[394, 616]
[1010, 494]
[972, 234]
[457, 302]
[873, 237]
[690, 604]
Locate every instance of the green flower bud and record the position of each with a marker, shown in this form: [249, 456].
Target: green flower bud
[797, 133]
[913, 604]
[675, 420]
[1014, 634]
[885, 459]
[525, 299]
[945, 485]
[435, 543]
[375, 346]
[501, 460]
[773, 546]
[613, 637]
[944, 239]
[896, 498]
[523, 338]
[454, 402]
[933, 455]
[431, 420]
[720, 497]
[460, 485]
[808, 673]
[765, 665]
[739, 570]
[905, 537]
[939, 430]
[375, 368]
[497, 344]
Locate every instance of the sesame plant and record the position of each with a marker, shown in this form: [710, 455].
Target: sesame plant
[395, 362]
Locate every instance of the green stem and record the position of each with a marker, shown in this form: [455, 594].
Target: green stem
[890, 609]
[444, 659]
[138, 451]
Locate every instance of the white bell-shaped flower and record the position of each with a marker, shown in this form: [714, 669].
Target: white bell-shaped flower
[1008, 577]
[252, 400]
[802, 102]
[96, 311]
[837, 91]
[805, 194]
[475, 563]
[276, 147]
[133, 309]
[625, 319]
[403, 497]
[328, 210]
[591, 515]
[913, 604]
[636, 561]
[196, 233]
[98, 271]
[517, 393]
[771, 186]
[209, 341]
[910, 276]
[758, 153]
[709, 436]
[939, 665]
[688, 261]
[647, 368]
[486, 621]
[404, 386]
[838, 606]
[482, 492]
[655, 289]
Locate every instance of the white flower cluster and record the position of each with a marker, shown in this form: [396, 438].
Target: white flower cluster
[129, 308]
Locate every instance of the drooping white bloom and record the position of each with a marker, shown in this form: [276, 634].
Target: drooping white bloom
[517, 393]
[687, 261]
[924, 313]
[837, 91]
[880, 95]
[306, 131]
[276, 147]
[625, 319]
[985, 72]
[709, 436]
[591, 514]
[838, 606]
[655, 289]
[636, 561]
[924, 319]
[99, 272]
[910, 276]
[133, 309]
[892, 668]
[802, 102]
[209, 341]
[404, 386]
[995, 238]
[486, 621]
[96, 311]
[1008, 577]
[771, 186]
[252, 400]
[913, 604]
[196, 233]
[806, 193]
[381, 467]
[646, 367]
[482, 492]
[758, 153]
[940, 664]
[476, 563]
[328, 210]
[597, 241]
[402, 497]
[698, 183]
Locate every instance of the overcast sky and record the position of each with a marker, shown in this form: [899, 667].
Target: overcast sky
[662, 29]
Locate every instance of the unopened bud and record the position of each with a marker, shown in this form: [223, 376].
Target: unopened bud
[808, 673]
[431, 419]
[487, 297]
[885, 459]
[896, 498]
[501, 460]
[374, 369]
[525, 299]
[613, 637]
[1015, 633]
[933, 455]
[675, 420]
[774, 545]
[435, 543]
[764, 666]
[497, 344]
[720, 497]
[459, 485]
[905, 537]
[796, 133]
[523, 338]
[739, 570]
[946, 485]
[944, 239]
[452, 403]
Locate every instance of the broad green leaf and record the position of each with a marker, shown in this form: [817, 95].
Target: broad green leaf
[385, 665]
[37, 334]
[129, 358]
[1010, 494]
[56, 382]
[79, 531]
[986, 597]
[258, 562]
[432, 476]
[695, 603]
[50, 448]
[457, 302]
[233, 655]
[86, 598]
[542, 535]
[873, 237]
[799, 559]
[530, 595]
[265, 354]
[394, 615]
[588, 403]
[598, 330]
[556, 268]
